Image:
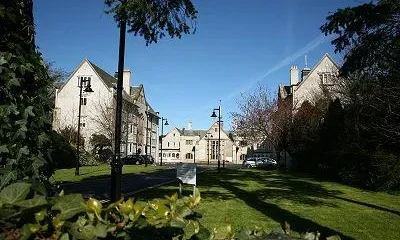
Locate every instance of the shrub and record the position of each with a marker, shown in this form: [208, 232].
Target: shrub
[63, 155]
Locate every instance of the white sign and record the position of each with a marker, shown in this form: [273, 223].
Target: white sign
[186, 172]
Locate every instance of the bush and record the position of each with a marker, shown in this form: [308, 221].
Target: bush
[87, 159]
[63, 155]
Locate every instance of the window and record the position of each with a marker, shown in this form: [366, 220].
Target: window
[173, 155]
[214, 149]
[168, 144]
[131, 129]
[189, 156]
[169, 154]
[177, 155]
[174, 134]
[130, 147]
[174, 144]
[159, 155]
[83, 124]
[164, 154]
[85, 81]
[189, 142]
[215, 129]
[83, 101]
[324, 78]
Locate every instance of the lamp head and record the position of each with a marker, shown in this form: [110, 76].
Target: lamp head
[213, 115]
[88, 89]
[166, 122]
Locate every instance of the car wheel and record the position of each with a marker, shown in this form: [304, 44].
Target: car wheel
[248, 165]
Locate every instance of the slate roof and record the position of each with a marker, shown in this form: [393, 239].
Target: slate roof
[107, 78]
[192, 133]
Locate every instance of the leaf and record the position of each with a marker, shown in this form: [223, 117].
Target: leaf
[25, 233]
[65, 236]
[36, 201]
[68, 205]
[3, 149]
[22, 151]
[334, 237]
[15, 192]
[100, 230]
[6, 178]
[86, 232]
[178, 222]
[29, 112]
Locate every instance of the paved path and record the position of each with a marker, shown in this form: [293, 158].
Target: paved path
[100, 188]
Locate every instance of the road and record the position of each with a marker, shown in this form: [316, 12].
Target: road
[100, 188]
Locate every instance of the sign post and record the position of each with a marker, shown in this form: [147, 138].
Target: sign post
[186, 173]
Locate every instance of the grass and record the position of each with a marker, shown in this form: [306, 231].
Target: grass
[252, 197]
[101, 171]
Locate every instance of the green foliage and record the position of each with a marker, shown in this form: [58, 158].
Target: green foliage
[63, 154]
[154, 19]
[26, 214]
[25, 105]
[101, 147]
[87, 159]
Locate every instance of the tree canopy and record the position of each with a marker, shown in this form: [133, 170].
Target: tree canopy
[154, 19]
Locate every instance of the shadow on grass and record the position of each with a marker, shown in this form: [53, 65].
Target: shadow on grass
[367, 205]
[253, 188]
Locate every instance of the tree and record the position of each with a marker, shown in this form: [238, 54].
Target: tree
[154, 19]
[369, 36]
[25, 106]
[263, 120]
[253, 120]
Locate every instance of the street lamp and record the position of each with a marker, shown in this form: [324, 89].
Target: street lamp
[87, 89]
[213, 115]
[162, 133]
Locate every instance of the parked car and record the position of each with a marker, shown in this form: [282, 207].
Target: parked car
[250, 162]
[148, 158]
[268, 163]
[133, 160]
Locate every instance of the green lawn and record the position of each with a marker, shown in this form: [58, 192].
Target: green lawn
[68, 175]
[267, 198]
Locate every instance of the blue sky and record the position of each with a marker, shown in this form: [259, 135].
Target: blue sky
[237, 45]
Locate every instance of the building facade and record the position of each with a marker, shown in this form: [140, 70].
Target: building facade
[97, 110]
[187, 145]
[311, 83]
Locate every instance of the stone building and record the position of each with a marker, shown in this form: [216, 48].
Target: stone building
[188, 145]
[311, 82]
[139, 120]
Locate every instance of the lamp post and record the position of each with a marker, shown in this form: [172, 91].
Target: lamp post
[213, 115]
[162, 133]
[87, 89]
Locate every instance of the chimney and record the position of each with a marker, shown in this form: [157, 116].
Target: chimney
[294, 75]
[305, 72]
[126, 80]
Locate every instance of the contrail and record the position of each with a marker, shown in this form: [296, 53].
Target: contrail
[289, 59]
